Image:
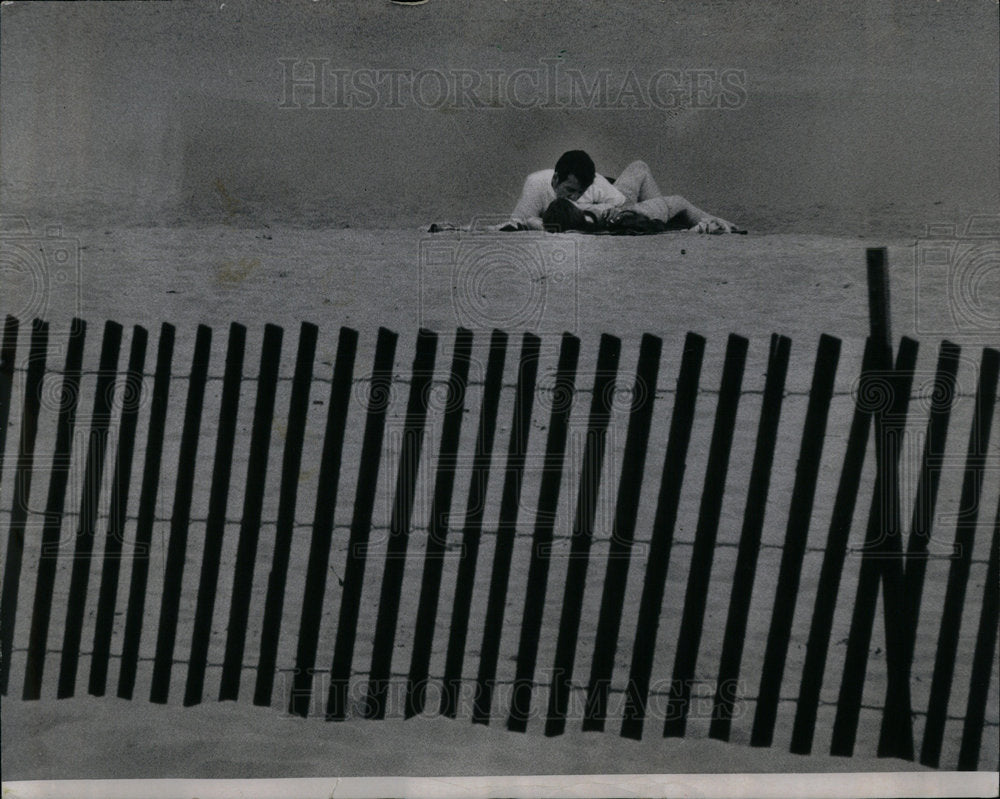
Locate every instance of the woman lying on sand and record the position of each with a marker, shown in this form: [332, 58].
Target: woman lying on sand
[632, 201]
[656, 215]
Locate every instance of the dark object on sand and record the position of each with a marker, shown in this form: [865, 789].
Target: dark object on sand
[562, 215]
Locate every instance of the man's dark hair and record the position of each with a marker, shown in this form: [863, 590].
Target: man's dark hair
[577, 163]
[563, 215]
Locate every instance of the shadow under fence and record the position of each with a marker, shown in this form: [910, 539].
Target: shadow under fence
[444, 602]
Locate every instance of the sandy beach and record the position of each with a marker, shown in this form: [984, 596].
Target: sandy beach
[179, 164]
[202, 275]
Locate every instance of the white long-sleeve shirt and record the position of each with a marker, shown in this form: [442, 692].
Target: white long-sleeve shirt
[538, 193]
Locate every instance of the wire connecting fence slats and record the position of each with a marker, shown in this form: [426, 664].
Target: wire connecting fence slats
[501, 624]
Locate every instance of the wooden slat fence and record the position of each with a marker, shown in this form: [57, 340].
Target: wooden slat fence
[447, 617]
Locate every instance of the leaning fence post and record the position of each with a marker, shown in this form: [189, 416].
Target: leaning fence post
[541, 537]
[147, 514]
[796, 535]
[117, 510]
[8, 352]
[709, 513]
[583, 534]
[882, 554]
[474, 508]
[724, 704]
[97, 444]
[828, 586]
[602, 662]
[215, 526]
[318, 564]
[408, 469]
[173, 574]
[54, 506]
[22, 494]
[524, 397]
[661, 543]
[379, 400]
[253, 499]
[891, 397]
[291, 461]
[438, 524]
[925, 502]
[958, 571]
[982, 660]
[897, 726]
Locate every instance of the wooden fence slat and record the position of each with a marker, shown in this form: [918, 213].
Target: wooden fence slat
[253, 500]
[22, 495]
[114, 537]
[173, 575]
[724, 702]
[438, 525]
[8, 353]
[45, 577]
[796, 535]
[474, 508]
[622, 532]
[982, 660]
[818, 642]
[925, 502]
[709, 512]
[147, 514]
[583, 533]
[379, 400]
[215, 525]
[924, 509]
[322, 530]
[958, 573]
[674, 463]
[291, 463]
[897, 726]
[541, 541]
[895, 390]
[393, 570]
[509, 504]
[86, 533]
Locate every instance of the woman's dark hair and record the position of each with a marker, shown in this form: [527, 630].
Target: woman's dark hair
[563, 215]
[578, 163]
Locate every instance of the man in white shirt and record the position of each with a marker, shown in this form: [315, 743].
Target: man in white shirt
[574, 178]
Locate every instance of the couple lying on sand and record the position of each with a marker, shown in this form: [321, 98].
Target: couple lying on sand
[573, 197]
